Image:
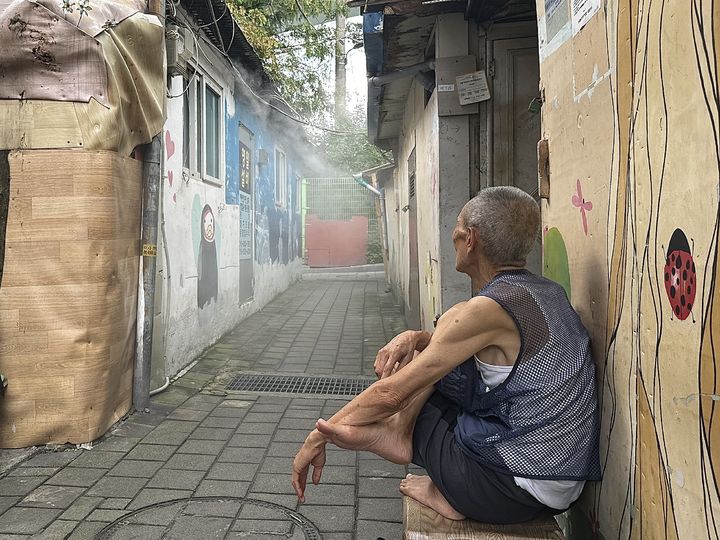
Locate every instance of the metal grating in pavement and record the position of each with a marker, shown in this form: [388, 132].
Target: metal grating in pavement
[299, 384]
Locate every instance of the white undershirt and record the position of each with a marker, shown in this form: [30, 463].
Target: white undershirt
[558, 494]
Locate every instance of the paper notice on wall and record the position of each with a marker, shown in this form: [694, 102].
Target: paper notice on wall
[582, 12]
[473, 88]
[557, 15]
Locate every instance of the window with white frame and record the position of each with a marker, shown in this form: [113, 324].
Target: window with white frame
[202, 127]
[212, 133]
[281, 177]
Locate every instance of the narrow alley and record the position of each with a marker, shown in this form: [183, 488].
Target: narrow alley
[208, 462]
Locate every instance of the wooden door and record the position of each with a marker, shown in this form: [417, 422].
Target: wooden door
[412, 310]
[516, 129]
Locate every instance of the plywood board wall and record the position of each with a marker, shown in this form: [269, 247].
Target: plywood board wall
[68, 296]
[632, 118]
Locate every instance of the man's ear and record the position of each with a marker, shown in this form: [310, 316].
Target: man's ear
[472, 239]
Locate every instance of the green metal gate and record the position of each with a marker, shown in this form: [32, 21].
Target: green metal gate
[342, 199]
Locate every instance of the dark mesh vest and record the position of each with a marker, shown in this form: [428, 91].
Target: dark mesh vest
[542, 421]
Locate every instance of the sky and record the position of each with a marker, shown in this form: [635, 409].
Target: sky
[356, 74]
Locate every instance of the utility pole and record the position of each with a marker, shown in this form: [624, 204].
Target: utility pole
[340, 59]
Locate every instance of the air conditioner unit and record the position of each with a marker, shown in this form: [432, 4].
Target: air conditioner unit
[181, 46]
[190, 44]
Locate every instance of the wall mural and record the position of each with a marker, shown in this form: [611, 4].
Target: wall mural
[660, 371]
[206, 240]
[578, 201]
[169, 153]
[277, 229]
[680, 276]
[555, 259]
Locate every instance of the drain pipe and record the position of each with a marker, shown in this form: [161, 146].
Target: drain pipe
[152, 154]
[410, 71]
[152, 172]
[380, 194]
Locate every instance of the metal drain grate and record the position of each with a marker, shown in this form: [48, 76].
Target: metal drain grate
[289, 384]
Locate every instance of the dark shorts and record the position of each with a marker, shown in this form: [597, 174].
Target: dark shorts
[472, 489]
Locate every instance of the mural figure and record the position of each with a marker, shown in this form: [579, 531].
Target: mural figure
[207, 260]
[262, 237]
[584, 206]
[274, 233]
[555, 259]
[680, 275]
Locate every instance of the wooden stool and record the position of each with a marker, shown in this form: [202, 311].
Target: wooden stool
[422, 523]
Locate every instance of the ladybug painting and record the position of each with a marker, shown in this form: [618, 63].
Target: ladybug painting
[680, 277]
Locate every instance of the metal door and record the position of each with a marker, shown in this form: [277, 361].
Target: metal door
[516, 128]
[247, 214]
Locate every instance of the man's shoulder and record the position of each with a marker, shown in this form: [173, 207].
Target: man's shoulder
[477, 306]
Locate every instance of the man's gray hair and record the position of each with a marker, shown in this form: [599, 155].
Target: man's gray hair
[507, 220]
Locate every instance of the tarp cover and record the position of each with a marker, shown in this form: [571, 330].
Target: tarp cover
[97, 85]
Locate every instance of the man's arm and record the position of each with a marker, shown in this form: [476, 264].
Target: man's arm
[461, 332]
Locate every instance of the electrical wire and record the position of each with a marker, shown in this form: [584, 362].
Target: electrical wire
[216, 20]
[227, 58]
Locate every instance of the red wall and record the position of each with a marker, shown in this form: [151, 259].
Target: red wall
[336, 243]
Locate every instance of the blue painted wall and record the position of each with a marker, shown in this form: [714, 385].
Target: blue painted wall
[277, 229]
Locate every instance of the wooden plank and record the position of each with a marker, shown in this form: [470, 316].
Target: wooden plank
[73, 208]
[422, 523]
[9, 320]
[47, 364]
[54, 296]
[40, 230]
[12, 343]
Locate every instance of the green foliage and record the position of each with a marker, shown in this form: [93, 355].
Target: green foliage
[351, 153]
[294, 41]
[374, 252]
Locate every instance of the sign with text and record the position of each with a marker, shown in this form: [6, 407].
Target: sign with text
[582, 12]
[473, 88]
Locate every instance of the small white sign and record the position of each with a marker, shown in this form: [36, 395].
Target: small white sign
[473, 88]
[446, 88]
[582, 12]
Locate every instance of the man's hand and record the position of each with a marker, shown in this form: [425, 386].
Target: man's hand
[399, 351]
[311, 452]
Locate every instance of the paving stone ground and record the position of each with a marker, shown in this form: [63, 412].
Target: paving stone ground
[221, 449]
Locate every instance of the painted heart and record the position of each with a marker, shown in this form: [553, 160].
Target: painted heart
[169, 145]
[174, 197]
[170, 177]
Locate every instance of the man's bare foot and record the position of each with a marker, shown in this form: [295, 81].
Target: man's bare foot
[387, 438]
[422, 489]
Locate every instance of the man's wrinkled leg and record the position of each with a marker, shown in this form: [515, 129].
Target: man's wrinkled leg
[422, 489]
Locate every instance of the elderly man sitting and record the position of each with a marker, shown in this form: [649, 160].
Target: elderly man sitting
[499, 404]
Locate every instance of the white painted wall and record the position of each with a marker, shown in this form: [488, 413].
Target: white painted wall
[188, 330]
[420, 131]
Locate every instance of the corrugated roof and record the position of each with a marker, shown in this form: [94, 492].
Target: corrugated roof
[216, 21]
